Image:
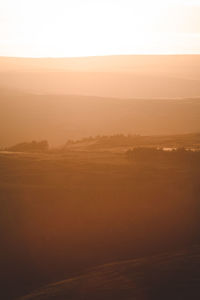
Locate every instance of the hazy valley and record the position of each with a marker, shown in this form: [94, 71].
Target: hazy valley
[99, 178]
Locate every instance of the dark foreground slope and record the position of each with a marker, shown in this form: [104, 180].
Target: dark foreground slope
[64, 213]
[168, 276]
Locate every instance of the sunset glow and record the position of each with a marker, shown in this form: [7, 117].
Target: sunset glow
[82, 28]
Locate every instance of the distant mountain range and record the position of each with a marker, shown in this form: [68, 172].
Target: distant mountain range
[110, 76]
[57, 118]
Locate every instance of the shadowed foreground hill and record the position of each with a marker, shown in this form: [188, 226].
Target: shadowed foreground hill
[63, 213]
[167, 276]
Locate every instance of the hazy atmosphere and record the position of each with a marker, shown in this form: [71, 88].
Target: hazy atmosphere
[100, 150]
[63, 28]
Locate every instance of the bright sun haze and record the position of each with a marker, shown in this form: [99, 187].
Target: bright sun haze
[67, 28]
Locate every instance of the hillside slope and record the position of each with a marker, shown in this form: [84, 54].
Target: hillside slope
[168, 276]
[26, 117]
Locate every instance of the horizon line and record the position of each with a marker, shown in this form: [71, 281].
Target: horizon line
[98, 56]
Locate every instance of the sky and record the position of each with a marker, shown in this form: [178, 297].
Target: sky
[71, 28]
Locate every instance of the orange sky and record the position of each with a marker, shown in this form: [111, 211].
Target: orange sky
[61, 28]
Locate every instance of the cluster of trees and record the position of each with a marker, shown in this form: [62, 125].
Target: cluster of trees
[145, 153]
[136, 140]
[111, 140]
[33, 146]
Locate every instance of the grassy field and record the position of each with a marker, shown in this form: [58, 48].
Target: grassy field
[64, 212]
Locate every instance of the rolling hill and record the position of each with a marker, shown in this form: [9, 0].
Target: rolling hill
[110, 76]
[166, 276]
[57, 118]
